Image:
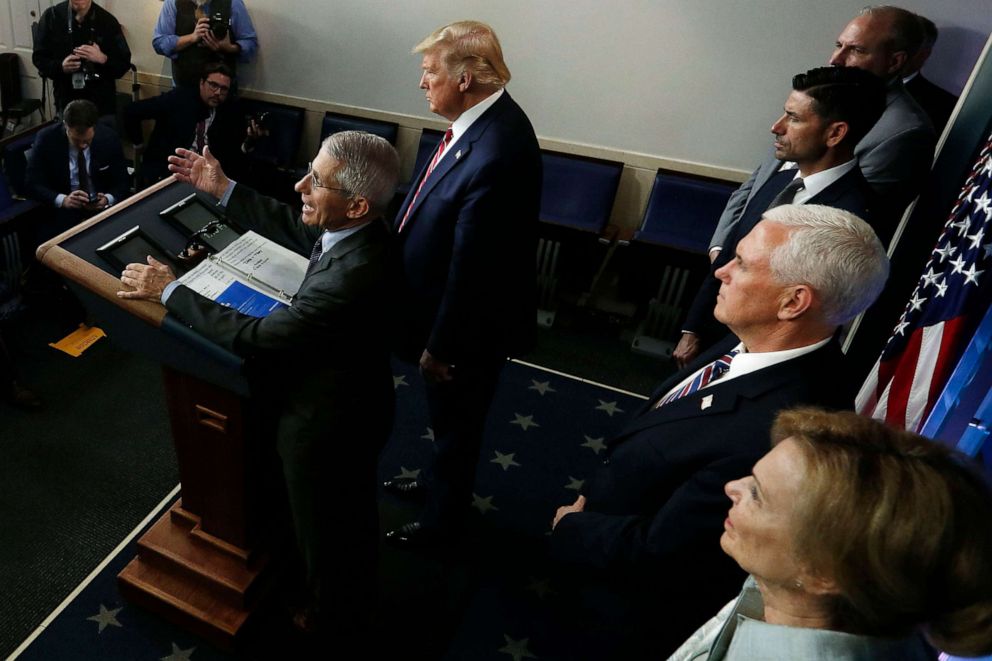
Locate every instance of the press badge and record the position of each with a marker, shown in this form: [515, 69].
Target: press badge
[78, 80]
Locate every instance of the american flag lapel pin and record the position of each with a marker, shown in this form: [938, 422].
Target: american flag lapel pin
[458, 154]
[706, 402]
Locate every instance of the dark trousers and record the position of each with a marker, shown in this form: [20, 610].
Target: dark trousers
[458, 411]
[329, 467]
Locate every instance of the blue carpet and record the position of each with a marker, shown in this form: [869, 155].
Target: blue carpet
[545, 436]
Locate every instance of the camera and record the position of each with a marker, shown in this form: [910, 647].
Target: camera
[218, 25]
[261, 121]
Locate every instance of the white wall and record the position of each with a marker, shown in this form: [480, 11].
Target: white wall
[690, 80]
[694, 80]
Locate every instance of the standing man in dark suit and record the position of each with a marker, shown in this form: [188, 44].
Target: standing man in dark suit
[652, 514]
[467, 235]
[935, 100]
[77, 167]
[829, 110]
[321, 365]
[189, 118]
[80, 47]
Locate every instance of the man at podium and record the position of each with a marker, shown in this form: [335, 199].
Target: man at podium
[319, 365]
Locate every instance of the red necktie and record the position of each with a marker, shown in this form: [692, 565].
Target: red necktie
[430, 168]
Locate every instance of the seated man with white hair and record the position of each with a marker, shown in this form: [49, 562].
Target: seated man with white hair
[649, 520]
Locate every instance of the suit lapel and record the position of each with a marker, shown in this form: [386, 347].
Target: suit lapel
[346, 245]
[725, 397]
[453, 158]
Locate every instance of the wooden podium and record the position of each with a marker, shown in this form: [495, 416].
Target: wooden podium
[203, 564]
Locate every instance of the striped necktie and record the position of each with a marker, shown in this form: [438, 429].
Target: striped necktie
[318, 250]
[430, 168]
[707, 375]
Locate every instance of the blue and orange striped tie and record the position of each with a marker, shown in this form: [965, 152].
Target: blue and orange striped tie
[707, 375]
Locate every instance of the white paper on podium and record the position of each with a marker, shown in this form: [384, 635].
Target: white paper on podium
[253, 275]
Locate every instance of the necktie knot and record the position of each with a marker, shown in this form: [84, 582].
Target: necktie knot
[788, 194]
[318, 250]
[702, 378]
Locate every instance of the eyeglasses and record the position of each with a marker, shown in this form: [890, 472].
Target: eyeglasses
[315, 182]
[217, 87]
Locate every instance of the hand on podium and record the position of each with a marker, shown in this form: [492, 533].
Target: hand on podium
[203, 172]
[147, 281]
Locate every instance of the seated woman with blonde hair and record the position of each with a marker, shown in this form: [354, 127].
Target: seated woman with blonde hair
[861, 540]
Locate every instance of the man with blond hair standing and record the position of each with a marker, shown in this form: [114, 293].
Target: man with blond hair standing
[467, 236]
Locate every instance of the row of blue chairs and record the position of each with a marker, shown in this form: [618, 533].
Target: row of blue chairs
[576, 240]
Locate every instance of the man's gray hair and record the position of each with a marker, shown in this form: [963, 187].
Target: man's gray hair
[906, 32]
[834, 252]
[370, 166]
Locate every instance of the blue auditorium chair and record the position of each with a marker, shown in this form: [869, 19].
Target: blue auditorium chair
[285, 124]
[577, 197]
[666, 258]
[336, 122]
[13, 151]
[683, 211]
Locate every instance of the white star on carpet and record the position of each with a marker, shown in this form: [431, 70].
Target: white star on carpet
[504, 460]
[106, 618]
[516, 648]
[541, 387]
[574, 484]
[428, 435]
[540, 586]
[407, 474]
[483, 504]
[609, 407]
[399, 380]
[594, 444]
[179, 654]
[525, 421]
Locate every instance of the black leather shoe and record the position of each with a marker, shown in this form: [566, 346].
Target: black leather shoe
[405, 487]
[411, 536]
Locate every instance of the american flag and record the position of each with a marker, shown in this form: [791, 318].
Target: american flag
[949, 300]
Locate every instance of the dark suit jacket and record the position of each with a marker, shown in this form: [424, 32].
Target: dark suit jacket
[47, 174]
[937, 102]
[176, 114]
[895, 157]
[655, 509]
[324, 360]
[469, 246]
[850, 193]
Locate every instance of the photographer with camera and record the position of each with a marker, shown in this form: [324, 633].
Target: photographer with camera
[81, 48]
[194, 32]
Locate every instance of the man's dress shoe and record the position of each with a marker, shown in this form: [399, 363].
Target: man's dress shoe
[405, 487]
[411, 536]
